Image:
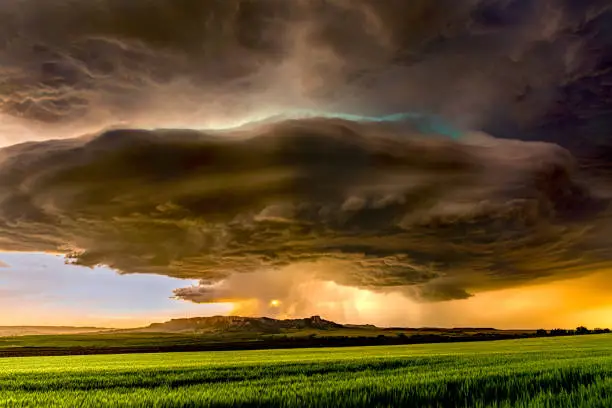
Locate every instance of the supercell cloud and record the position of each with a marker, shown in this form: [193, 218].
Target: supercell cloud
[135, 155]
[388, 208]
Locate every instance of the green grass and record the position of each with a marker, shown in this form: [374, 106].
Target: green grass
[94, 340]
[552, 372]
[135, 340]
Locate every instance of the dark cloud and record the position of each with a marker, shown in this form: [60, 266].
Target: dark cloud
[71, 66]
[387, 208]
[433, 218]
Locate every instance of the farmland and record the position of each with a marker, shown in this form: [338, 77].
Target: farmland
[224, 333]
[571, 371]
[127, 343]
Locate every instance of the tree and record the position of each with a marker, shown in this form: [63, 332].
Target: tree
[582, 330]
[541, 332]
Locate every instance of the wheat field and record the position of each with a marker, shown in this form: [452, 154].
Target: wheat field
[552, 372]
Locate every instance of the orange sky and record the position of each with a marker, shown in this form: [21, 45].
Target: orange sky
[583, 301]
[567, 304]
[39, 289]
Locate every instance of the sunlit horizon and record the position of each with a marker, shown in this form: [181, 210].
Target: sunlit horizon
[48, 292]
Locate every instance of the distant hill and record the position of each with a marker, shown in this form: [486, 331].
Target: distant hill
[8, 331]
[232, 324]
[218, 333]
[262, 326]
[233, 333]
[239, 326]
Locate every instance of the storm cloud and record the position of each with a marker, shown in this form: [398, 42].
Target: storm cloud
[387, 207]
[510, 67]
[154, 137]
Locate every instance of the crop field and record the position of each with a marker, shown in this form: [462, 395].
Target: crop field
[561, 372]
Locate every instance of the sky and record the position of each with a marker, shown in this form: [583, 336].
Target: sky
[423, 163]
[39, 289]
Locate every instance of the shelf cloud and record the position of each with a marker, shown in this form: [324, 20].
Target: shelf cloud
[387, 207]
[166, 137]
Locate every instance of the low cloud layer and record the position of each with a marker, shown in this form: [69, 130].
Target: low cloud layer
[367, 205]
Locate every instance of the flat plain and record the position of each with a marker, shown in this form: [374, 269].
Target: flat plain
[574, 371]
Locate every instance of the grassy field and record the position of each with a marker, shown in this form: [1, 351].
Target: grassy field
[169, 339]
[105, 340]
[562, 372]
[146, 342]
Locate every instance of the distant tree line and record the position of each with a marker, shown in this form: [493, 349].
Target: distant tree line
[580, 330]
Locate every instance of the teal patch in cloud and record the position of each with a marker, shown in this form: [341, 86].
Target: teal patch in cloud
[425, 123]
